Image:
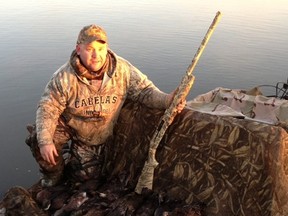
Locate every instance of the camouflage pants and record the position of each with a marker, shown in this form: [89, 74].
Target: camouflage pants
[86, 162]
[81, 162]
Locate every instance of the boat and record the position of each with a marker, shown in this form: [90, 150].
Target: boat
[226, 153]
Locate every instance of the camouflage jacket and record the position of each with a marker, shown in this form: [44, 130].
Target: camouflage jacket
[92, 112]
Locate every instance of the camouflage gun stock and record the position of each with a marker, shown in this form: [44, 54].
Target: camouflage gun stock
[147, 174]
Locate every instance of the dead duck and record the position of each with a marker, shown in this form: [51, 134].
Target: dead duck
[188, 210]
[18, 201]
[149, 206]
[128, 204]
[74, 203]
[53, 198]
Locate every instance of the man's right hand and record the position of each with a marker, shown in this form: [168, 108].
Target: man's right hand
[48, 152]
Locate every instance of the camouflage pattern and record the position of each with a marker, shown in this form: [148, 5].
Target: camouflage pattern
[250, 104]
[85, 162]
[235, 166]
[92, 33]
[81, 162]
[62, 135]
[90, 111]
[232, 166]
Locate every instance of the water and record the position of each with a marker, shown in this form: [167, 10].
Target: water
[248, 48]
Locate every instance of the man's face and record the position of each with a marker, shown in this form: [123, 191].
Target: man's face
[92, 55]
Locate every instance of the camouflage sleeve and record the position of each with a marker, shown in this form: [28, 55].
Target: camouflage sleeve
[143, 90]
[51, 105]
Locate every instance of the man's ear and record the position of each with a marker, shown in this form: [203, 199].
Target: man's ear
[78, 49]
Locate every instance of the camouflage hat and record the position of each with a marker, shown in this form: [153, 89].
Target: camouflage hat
[92, 33]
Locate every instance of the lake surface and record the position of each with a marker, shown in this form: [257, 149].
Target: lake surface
[248, 48]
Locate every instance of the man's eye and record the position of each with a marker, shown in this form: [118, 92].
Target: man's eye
[103, 49]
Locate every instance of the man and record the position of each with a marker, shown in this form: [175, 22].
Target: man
[82, 102]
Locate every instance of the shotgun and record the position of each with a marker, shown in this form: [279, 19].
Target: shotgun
[147, 175]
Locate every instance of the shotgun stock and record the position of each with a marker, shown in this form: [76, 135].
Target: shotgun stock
[147, 174]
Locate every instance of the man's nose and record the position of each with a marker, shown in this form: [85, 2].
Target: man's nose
[94, 54]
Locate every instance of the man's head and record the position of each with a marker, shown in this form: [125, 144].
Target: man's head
[92, 47]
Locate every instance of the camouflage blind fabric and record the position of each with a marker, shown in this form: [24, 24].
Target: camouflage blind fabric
[235, 166]
[250, 104]
[230, 166]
